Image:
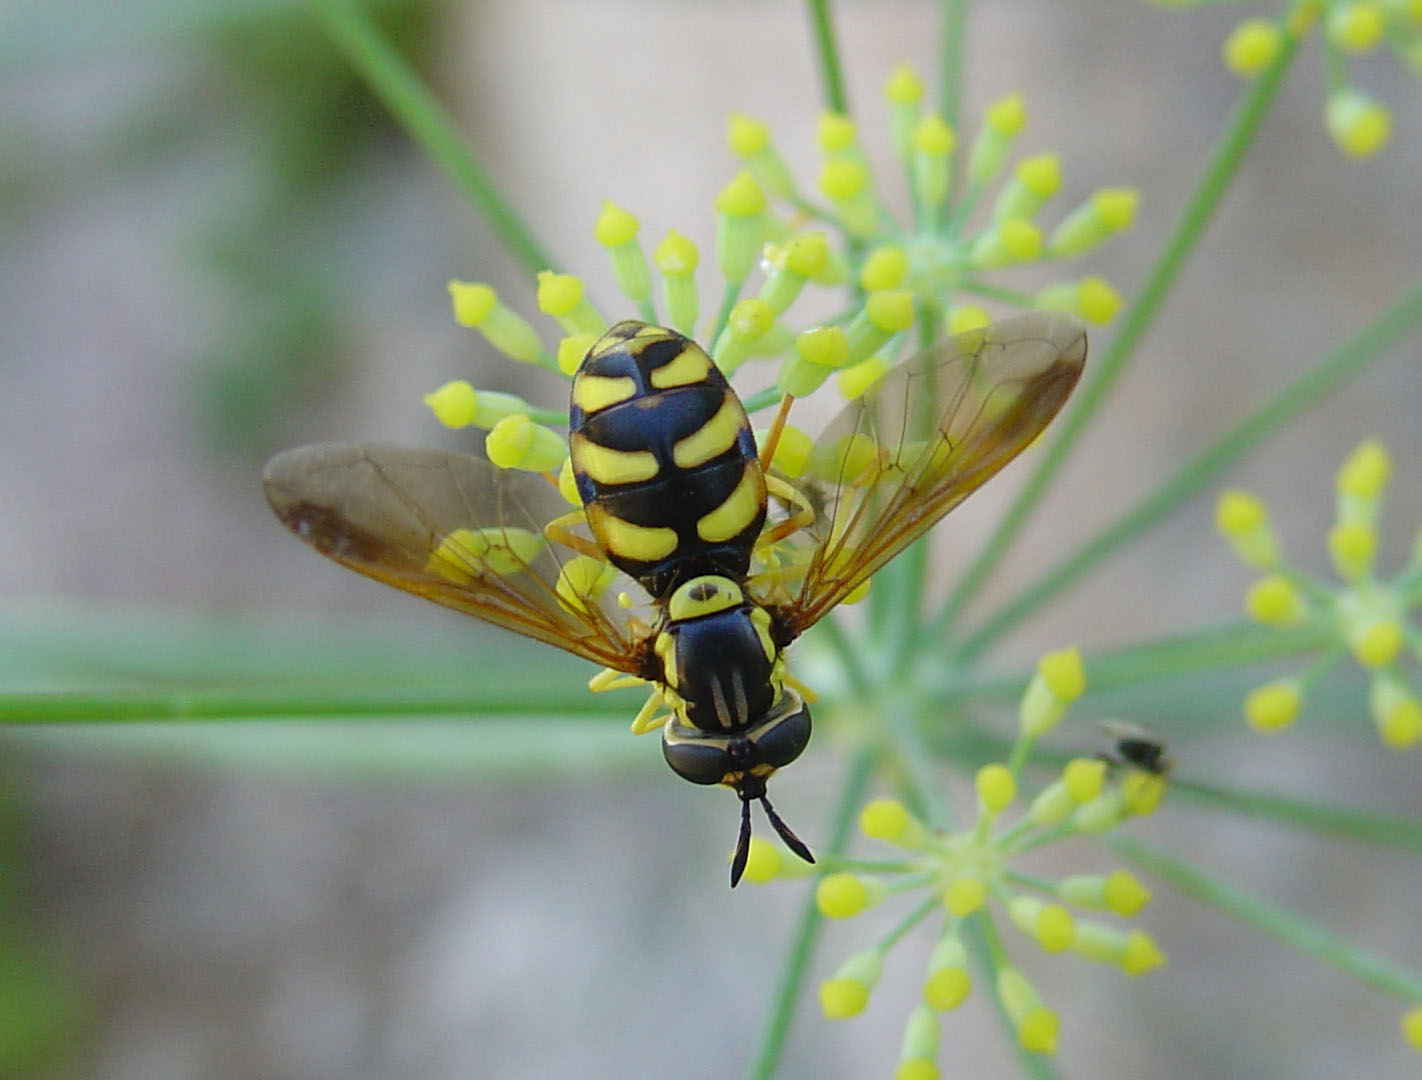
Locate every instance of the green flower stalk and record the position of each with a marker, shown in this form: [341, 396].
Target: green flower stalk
[676, 258]
[616, 230]
[479, 307]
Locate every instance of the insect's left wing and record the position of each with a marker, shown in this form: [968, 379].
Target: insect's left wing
[456, 530]
[913, 447]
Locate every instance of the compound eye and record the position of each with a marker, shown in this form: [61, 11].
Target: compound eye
[783, 738]
[699, 762]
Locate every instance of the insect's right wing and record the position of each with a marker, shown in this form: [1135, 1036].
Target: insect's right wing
[459, 531]
[914, 446]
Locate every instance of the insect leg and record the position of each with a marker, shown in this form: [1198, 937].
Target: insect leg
[560, 531]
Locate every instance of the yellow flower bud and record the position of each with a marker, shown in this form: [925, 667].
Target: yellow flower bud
[835, 132]
[1084, 778]
[472, 302]
[1396, 712]
[1273, 706]
[1412, 1027]
[453, 403]
[1058, 682]
[856, 379]
[1141, 955]
[1123, 894]
[1363, 475]
[996, 787]
[1007, 115]
[1351, 545]
[840, 896]
[965, 317]
[1242, 520]
[1251, 46]
[745, 135]
[885, 268]
[1357, 123]
[903, 87]
[615, 226]
[740, 212]
[1273, 601]
[847, 992]
[516, 442]
[1356, 27]
[1036, 1024]
[764, 862]
[572, 349]
[964, 895]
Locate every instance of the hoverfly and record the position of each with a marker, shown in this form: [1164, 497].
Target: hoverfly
[693, 562]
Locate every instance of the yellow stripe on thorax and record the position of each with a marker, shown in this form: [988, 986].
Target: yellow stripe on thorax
[738, 511]
[712, 438]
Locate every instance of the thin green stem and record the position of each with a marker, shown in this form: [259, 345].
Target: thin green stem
[729, 294]
[259, 705]
[503, 750]
[985, 947]
[993, 291]
[908, 922]
[951, 49]
[1394, 325]
[915, 763]
[1224, 162]
[1231, 645]
[827, 56]
[847, 652]
[763, 399]
[1297, 933]
[802, 941]
[1403, 834]
[395, 82]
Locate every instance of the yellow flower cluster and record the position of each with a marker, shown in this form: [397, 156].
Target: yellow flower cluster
[968, 876]
[1363, 615]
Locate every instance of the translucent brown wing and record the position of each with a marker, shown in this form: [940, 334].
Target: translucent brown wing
[913, 447]
[456, 530]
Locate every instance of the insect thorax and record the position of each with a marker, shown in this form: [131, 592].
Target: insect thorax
[717, 656]
[664, 459]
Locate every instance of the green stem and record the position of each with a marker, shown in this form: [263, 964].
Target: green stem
[762, 399]
[1234, 644]
[802, 942]
[1101, 376]
[1350, 358]
[827, 55]
[1402, 834]
[899, 718]
[395, 82]
[859, 683]
[951, 48]
[1304, 936]
[729, 295]
[985, 947]
[65, 708]
[908, 922]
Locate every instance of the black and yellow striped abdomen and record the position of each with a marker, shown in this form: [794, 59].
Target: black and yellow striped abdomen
[664, 458]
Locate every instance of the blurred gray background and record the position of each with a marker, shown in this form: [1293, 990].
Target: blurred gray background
[216, 245]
